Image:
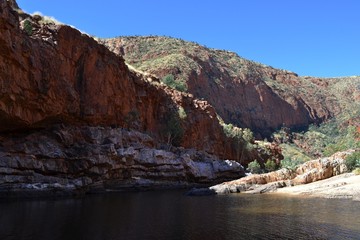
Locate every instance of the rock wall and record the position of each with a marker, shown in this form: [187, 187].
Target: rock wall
[55, 74]
[69, 78]
[84, 159]
[247, 101]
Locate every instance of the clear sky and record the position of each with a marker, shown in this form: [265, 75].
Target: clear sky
[310, 37]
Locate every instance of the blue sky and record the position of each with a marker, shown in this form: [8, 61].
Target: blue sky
[310, 37]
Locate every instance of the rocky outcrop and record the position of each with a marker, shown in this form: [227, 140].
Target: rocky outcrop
[308, 172]
[342, 186]
[243, 92]
[83, 159]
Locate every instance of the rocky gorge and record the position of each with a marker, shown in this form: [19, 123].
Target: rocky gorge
[80, 114]
[54, 77]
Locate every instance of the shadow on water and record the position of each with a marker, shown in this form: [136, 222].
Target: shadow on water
[171, 215]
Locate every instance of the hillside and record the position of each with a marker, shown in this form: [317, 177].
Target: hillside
[244, 93]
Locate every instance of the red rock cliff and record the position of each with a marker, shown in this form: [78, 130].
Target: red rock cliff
[55, 74]
[243, 92]
[73, 117]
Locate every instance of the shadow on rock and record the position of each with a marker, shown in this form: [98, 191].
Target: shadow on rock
[200, 192]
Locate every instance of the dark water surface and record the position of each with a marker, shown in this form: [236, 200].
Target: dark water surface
[171, 215]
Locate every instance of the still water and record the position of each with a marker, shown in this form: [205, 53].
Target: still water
[171, 215]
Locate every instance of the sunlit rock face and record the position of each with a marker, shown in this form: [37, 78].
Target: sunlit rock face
[308, 172]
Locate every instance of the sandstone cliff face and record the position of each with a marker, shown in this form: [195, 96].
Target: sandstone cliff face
[58, 75]
[242, 92]
[70, 78]
[82, 159]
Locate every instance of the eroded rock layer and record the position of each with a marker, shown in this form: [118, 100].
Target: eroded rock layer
[82, 159]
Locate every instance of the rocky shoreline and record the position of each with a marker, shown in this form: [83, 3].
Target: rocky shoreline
[74, 160]
[342, 186]
[324, 177]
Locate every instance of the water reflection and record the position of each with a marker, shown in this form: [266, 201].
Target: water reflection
[171, 215]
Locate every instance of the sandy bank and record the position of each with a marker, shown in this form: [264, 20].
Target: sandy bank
[342, 186]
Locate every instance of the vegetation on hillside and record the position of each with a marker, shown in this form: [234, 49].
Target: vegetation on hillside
[352, 161]
[164, 56]
[339, 133]
[173, 130]
[255, 168]
[241, 140]
[293, 156]
[170, 81]
[337, 100]
[154, 54]
[319, 141]
[28, 28]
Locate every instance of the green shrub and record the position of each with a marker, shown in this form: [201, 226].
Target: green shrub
[182, 113]
[352, 161]
[248, 135]
[170, 81]
[270, 165]
[232, 131]
[283, 135]
[173, 130]
[28, 27]
[357, 171]
[240, 139]
[254, 167]
[292, 156]
[343, 142]
[291, 164]
[327, 138]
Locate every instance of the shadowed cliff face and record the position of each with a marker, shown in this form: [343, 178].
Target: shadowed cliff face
[82, 159]
[52, 73]
[244, 93]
